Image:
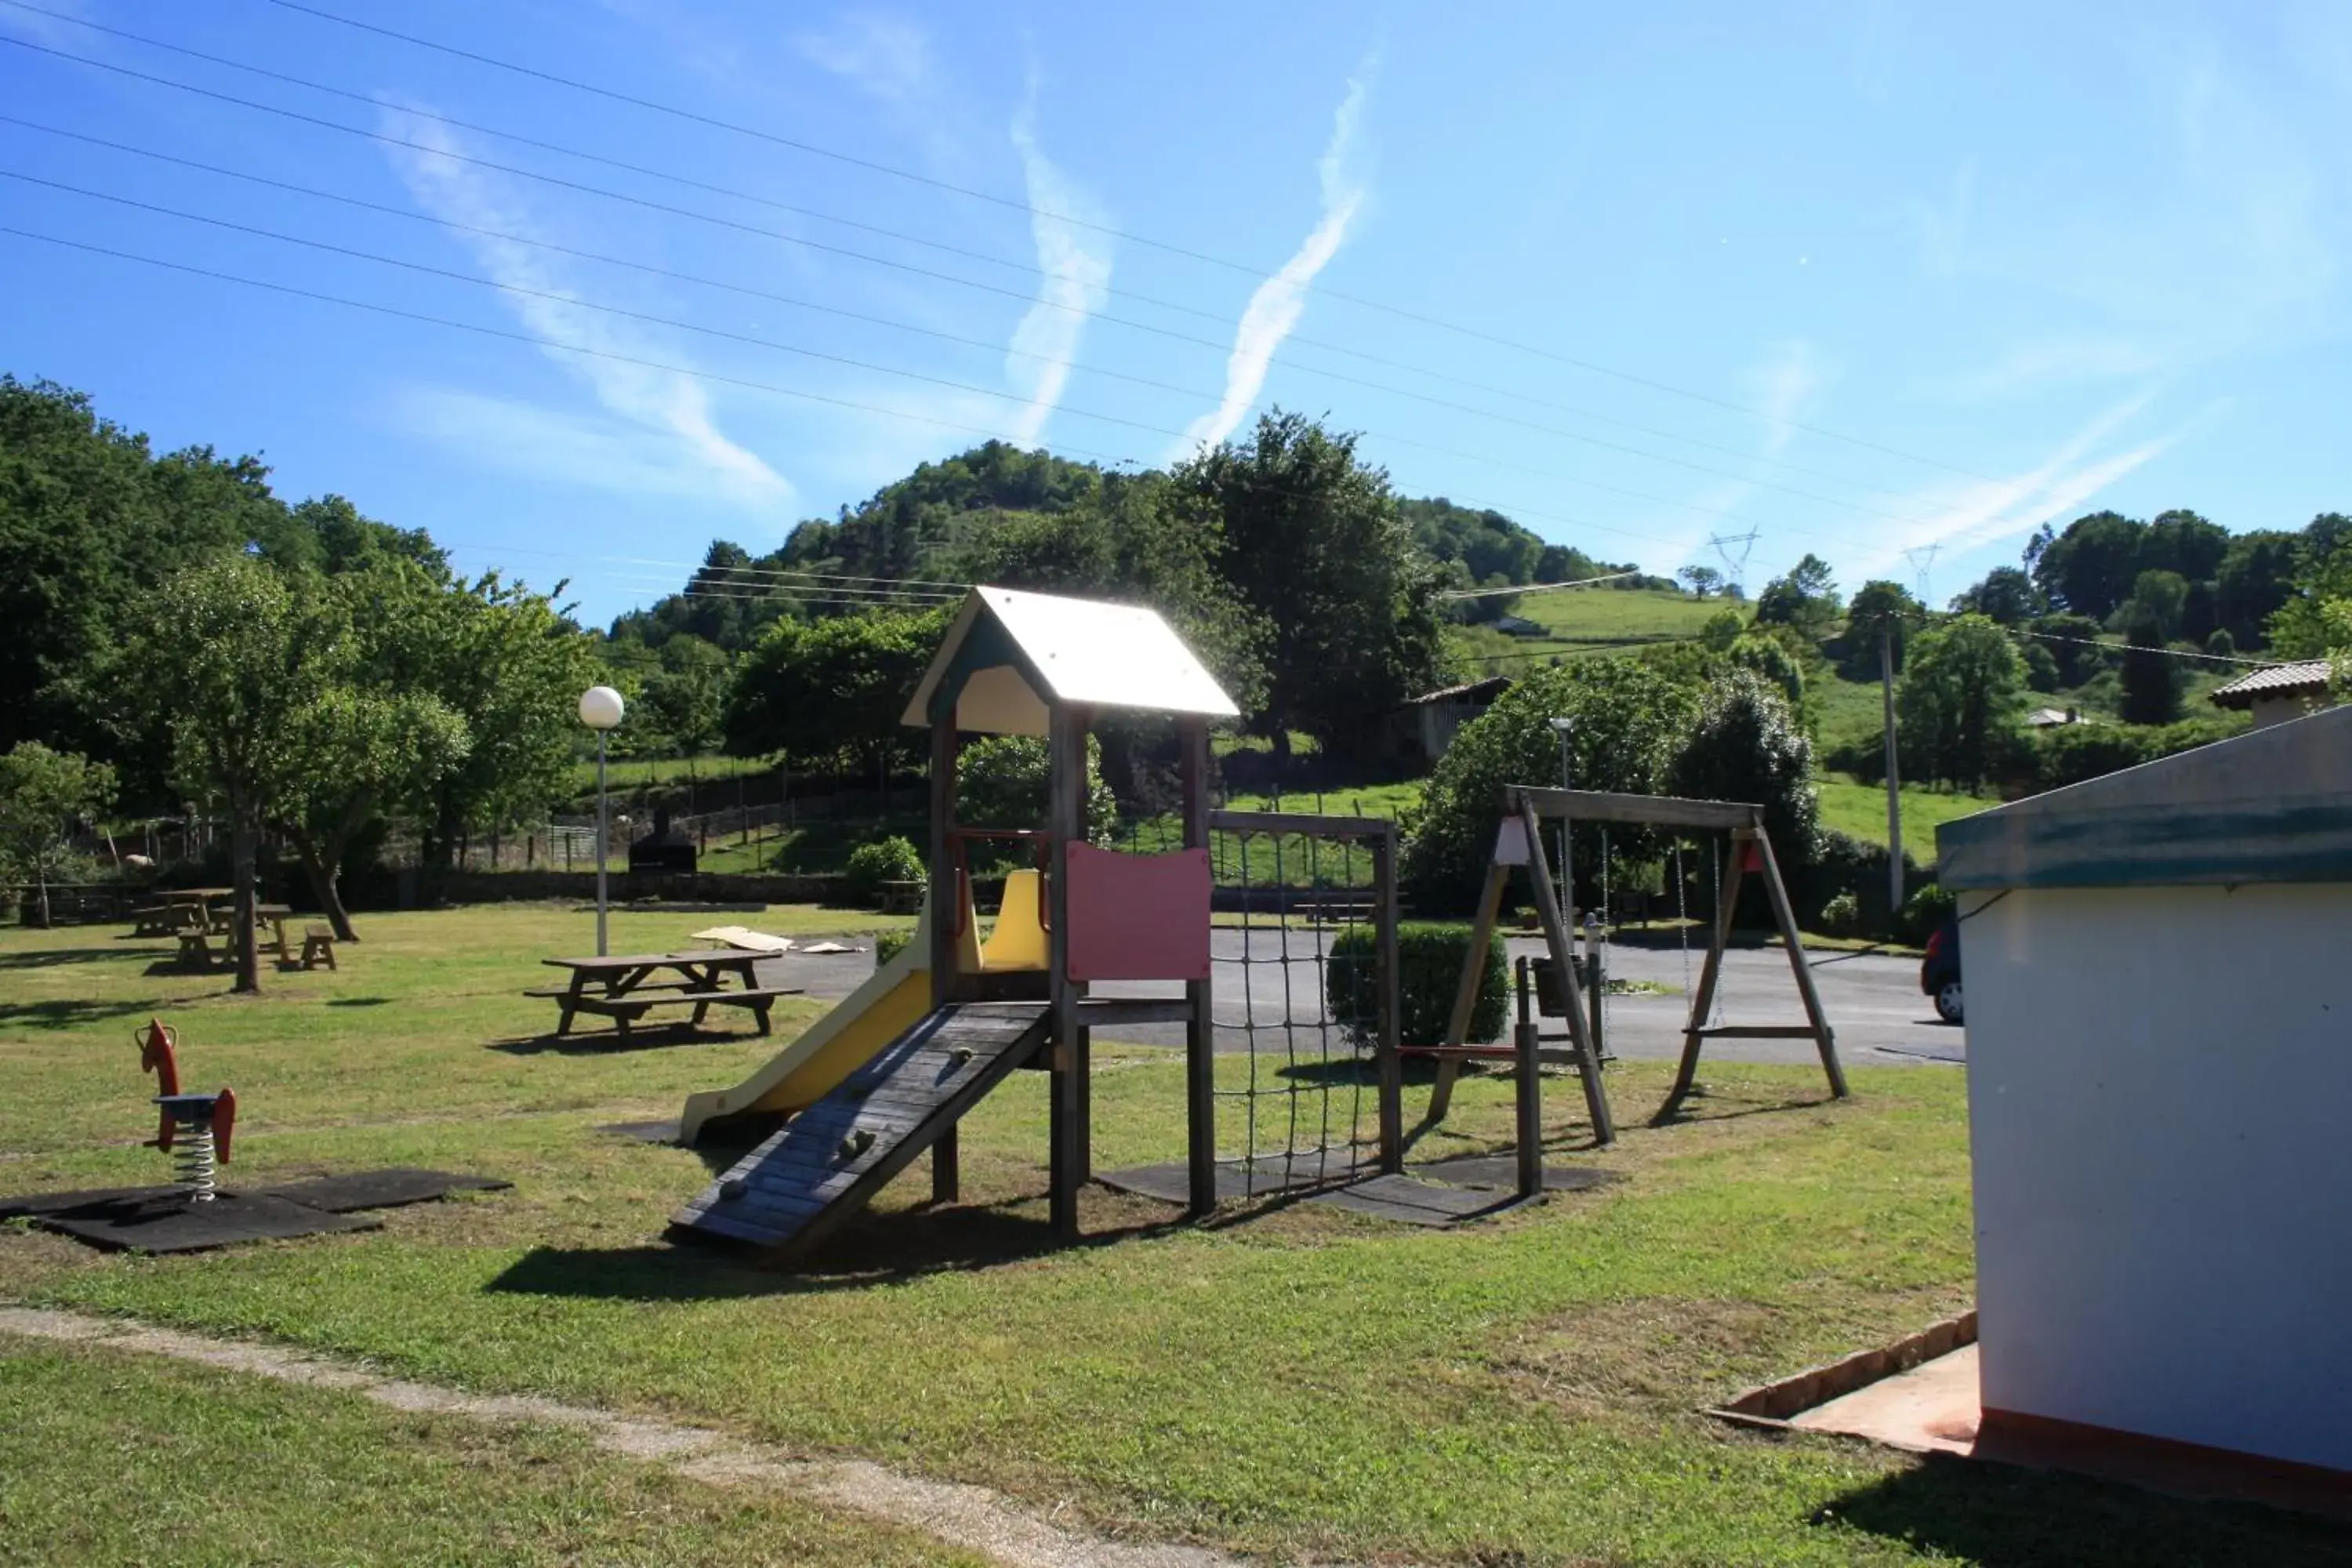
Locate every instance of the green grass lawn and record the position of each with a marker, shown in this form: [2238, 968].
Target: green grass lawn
[1286, 1381]
[114, 1458]
[1580, 620]
[1859, 811]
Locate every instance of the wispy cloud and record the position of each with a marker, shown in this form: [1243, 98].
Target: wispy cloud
[667, 414]
[1275, 309]
[1967, 513]
[890, 57]
[1075, 262]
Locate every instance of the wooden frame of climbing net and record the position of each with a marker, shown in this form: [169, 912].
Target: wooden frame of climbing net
[1519, 842]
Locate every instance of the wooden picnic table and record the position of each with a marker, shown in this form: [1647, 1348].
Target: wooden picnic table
[173, 906]
[624, 988]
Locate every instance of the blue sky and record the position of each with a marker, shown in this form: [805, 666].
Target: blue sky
[1862, 277]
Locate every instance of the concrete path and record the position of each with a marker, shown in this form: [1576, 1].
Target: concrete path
[972, 1517]
[1873, 1000]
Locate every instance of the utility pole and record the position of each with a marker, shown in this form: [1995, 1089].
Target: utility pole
[1893, 782]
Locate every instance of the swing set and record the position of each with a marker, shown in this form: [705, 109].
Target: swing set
[1519, 843]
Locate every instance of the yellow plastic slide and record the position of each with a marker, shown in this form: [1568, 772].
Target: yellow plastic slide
[894, 997]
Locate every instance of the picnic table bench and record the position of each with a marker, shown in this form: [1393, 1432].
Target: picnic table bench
[175, 908]
[195, 935]
[626, 988]
[902, 898]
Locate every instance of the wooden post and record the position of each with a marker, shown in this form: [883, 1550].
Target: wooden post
[947, 902]
[1067, 746]
[1787, 920]
[1389, 1063]
[1588, 1064]
[947, 1168]
[1200, 1025]
[1528, 1096]
[1465, 995]
[1709, 975]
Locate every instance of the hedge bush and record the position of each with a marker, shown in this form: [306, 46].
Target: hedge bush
[883, 860]
[1430, 955]
[889, 945]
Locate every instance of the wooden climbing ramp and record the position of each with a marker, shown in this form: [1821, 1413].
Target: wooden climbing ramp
[828, 1162]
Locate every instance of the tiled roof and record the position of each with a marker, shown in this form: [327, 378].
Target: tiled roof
[2306, 678]
[1494, 685]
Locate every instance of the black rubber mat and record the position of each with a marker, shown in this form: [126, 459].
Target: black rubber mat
[172, 1223]
[1493, 1171]
[30, 1205]
[392, 1188]
[1410, 1200]
[1172, 1183]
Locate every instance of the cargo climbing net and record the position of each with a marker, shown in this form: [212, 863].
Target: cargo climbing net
[1300, 1002]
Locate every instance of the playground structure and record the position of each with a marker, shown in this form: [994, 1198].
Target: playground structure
[1519, 845]
[889, 1073]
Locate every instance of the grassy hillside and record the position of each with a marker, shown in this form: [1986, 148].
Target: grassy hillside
[1583, 620]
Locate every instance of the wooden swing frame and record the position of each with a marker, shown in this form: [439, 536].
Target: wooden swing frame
[1519, 842]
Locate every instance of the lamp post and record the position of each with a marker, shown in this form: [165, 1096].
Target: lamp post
[1564, 728]
[600, 710]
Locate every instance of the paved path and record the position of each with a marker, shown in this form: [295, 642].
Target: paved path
[1873, 1000]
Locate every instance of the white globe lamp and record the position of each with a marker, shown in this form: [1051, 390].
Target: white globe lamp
[601, 708]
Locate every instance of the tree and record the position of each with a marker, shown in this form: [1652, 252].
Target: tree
[1770, 660]
[1003, 780]
[1805, 598]
[2311, 624]
[1629, 720]
[1722, 629]
[2089, 569]
[1958, 700]
[1881, 610]
[511, 666]
[2006, 595]
[2159, 601]
[683, 702]
[1747, 745]
[2256, 576]
[2150, 678]
[42, 792]
[1314, 544]
[829, 693]
[1702, 580]
[231, 659]
[349, 754]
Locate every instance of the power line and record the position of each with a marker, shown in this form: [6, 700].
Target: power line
[576, 301]
[713, 376]
[386, 139]
[2141, 647]
[1024, 207]
[1535, 587]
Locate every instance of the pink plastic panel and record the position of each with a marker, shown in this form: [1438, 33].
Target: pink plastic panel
[1139, 917]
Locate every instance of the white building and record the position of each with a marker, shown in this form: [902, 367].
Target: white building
[2159, 979]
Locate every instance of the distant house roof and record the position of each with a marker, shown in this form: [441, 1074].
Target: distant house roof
[2047, 717]
[2306, 678]
[1520, 627]
[1011, 653]
[1485, 690]
[2270, 806]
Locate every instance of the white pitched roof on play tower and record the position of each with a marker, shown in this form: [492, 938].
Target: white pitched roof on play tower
[1088, 651]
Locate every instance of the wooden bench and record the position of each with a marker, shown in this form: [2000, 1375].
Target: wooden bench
[196, 947]
[633, 1005]
[902, 898]
[318, 946]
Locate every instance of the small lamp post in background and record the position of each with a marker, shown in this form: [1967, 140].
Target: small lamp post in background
[1564, 728]
[600, 710]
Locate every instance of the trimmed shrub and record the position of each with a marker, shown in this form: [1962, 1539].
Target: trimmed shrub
[1923, 912]
[1841, 916]
[883, 860]
[1430, 955]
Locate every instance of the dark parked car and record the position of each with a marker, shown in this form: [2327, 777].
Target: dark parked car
[1939, 971]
